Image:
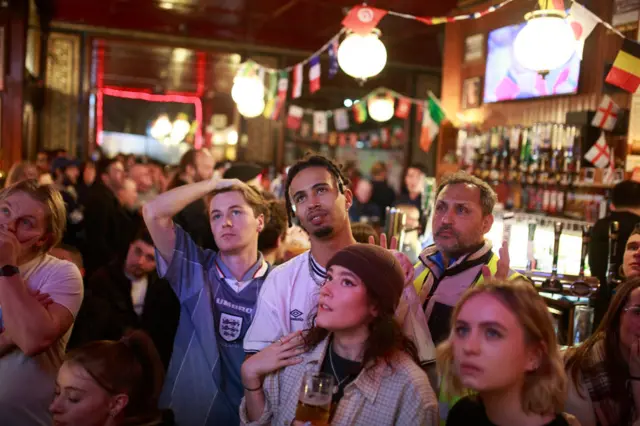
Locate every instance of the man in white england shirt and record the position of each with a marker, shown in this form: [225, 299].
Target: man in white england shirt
[34, 335]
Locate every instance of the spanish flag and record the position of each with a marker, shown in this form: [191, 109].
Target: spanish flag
[625, 72]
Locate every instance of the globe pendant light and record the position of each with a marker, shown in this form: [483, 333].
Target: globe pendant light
[362, 56]
[251, 108]
[246, 88]
[546, 42]
[381, 107]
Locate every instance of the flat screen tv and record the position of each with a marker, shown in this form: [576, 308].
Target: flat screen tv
[506, 80]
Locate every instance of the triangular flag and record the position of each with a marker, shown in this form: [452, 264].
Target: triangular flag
[431, 119]
[314, 74]
[295, 117]
[283, 85]
[599, 154]
[607, 114]
[360, 112]
[404, 107]
[296, 92]
[319, 122]
[362, 19]
[341, 119]
[582, 21]
[333, 57]
[342, 139]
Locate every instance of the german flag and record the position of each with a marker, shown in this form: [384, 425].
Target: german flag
[625, 72]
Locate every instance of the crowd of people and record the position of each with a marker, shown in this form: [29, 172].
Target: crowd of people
[131, 294]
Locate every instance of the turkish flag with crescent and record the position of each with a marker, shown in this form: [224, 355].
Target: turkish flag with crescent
[362, 19]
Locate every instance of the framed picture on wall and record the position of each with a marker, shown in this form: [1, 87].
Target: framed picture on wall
[474, 48]
[471, 93]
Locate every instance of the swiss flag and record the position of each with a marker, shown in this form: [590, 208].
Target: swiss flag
[362, 19]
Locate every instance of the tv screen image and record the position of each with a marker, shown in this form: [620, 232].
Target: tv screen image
[505, 79]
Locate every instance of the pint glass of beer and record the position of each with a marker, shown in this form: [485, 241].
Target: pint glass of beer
[314, 403]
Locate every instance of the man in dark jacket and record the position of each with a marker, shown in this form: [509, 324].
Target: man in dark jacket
[108, 227]
[625, 209]
[195, 166]
[127, 293]
[383, 195]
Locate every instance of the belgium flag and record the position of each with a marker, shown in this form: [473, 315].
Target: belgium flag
[625, 72]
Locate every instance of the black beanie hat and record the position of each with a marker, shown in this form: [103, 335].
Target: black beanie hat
[378, 269]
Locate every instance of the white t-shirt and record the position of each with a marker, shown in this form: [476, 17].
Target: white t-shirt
[287, 302]
[138, 293]
[27, 383]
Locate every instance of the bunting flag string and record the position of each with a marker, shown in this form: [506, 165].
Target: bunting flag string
[331, 46]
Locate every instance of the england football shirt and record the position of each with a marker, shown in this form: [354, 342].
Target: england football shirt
[203, 385]
[288, 301]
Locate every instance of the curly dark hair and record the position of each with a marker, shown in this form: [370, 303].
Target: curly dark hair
[312, 159]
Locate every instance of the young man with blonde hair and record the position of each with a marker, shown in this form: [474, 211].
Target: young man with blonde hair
[34, 334]
[217, 292]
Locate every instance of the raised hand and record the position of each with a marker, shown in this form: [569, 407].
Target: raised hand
[502, 271]
[405, 263]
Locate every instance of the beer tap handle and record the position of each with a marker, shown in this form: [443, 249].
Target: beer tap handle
[558, 226]
[586, 238]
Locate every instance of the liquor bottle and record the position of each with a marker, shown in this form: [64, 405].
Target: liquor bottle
[612, 267]
[580, 286]
[553, 283]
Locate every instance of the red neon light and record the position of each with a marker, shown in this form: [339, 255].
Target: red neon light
[149, 97]
[201, 63]
[99, 96]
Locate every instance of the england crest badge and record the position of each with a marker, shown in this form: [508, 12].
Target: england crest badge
[230, 327]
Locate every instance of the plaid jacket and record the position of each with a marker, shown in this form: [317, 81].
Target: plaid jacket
[397, 395]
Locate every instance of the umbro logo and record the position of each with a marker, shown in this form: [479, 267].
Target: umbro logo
[295, 315]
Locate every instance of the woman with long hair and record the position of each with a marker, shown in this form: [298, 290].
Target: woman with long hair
[604, 371]
[503, 347]
[357, 342]
[110, 383]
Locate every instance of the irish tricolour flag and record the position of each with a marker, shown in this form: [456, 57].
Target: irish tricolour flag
[432, 117]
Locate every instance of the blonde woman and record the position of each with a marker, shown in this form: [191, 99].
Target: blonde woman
[503, 346]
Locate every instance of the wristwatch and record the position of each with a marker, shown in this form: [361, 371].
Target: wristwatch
[9, 271]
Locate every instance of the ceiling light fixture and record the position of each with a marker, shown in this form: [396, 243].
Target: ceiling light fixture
[362, 56]
[547, 41]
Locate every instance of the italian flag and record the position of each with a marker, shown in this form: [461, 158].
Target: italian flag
[432, 117]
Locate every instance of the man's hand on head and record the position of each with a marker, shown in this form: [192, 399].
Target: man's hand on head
[226, 183]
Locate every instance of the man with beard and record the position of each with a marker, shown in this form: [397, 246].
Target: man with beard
[460, 257]
[316, 194]
[127, 293]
